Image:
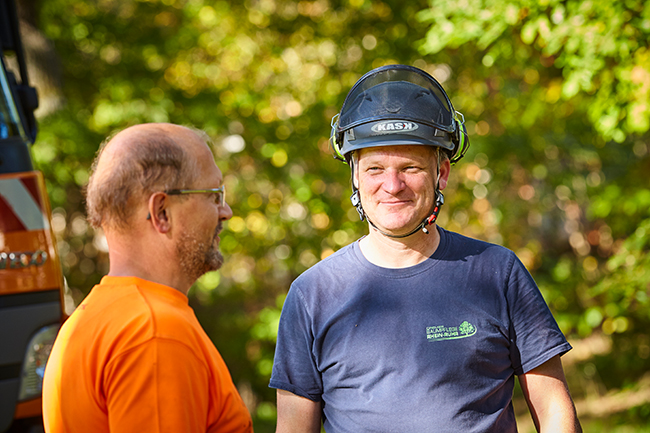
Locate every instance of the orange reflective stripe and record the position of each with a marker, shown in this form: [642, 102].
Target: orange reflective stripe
[15, 193]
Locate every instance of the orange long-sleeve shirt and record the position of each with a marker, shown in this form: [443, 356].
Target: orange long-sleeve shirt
[134, 358]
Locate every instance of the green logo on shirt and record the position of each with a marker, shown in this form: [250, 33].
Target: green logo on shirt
[441, 333]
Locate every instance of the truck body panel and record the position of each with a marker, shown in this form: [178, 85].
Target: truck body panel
[31, 280]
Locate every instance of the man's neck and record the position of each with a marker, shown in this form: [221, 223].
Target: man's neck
[155, 265]
[145, 275]
[388, 252]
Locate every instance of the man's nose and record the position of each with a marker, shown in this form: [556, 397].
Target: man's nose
[225, 213]
[393, 182]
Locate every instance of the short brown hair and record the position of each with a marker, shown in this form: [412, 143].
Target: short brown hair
[154, 162]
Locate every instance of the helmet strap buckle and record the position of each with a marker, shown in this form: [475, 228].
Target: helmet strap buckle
[440, 200]
[355, 198]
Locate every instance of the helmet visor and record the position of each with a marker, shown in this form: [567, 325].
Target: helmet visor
[397, 92]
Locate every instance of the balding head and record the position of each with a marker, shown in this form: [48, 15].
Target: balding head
[137, 162]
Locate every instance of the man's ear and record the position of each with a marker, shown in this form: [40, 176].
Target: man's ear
[443, 175]
[354, 168]
[158, 212]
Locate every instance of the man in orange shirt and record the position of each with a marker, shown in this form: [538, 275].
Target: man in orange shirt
[133, 357]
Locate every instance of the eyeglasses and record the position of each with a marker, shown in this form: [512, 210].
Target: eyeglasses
[219, 193]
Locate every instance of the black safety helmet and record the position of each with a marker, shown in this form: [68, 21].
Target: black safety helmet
[398, 105]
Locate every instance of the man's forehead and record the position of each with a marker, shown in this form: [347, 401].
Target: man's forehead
[212, 173]
[404, 151]
[209, 172]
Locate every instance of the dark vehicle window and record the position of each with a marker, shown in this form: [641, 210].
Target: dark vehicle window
[10, 125]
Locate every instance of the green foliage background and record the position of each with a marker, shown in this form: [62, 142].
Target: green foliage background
[556, 98]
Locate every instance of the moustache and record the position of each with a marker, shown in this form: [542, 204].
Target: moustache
[218, 229]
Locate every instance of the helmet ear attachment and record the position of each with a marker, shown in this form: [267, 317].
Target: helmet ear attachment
[336, 139]
[355, 198]
[461, 138]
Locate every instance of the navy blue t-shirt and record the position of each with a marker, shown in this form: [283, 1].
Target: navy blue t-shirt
[429, 348]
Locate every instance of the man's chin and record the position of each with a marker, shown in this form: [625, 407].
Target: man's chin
[212, 260]
[398, 226]
[216, 261]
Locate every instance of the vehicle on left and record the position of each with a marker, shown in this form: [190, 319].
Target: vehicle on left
[31, 281]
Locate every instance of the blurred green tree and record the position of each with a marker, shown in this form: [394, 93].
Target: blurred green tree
[554, 93]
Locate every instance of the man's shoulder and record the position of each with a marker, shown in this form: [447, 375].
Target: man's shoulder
[459, 247]
[132, 307]
[107, 303]
[330, 275]
[335, 263]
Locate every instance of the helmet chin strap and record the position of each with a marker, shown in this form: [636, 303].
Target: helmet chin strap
[440, 200]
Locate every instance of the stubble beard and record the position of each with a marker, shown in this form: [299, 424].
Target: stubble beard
[197, 257]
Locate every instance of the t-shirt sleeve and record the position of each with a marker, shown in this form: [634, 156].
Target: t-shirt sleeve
[294, 366]
[535, 336]
[158, 386]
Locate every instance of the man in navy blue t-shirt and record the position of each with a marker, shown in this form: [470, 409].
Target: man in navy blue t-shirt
[413, 328]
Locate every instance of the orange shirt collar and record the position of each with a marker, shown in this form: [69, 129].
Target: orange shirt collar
[145, 285]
